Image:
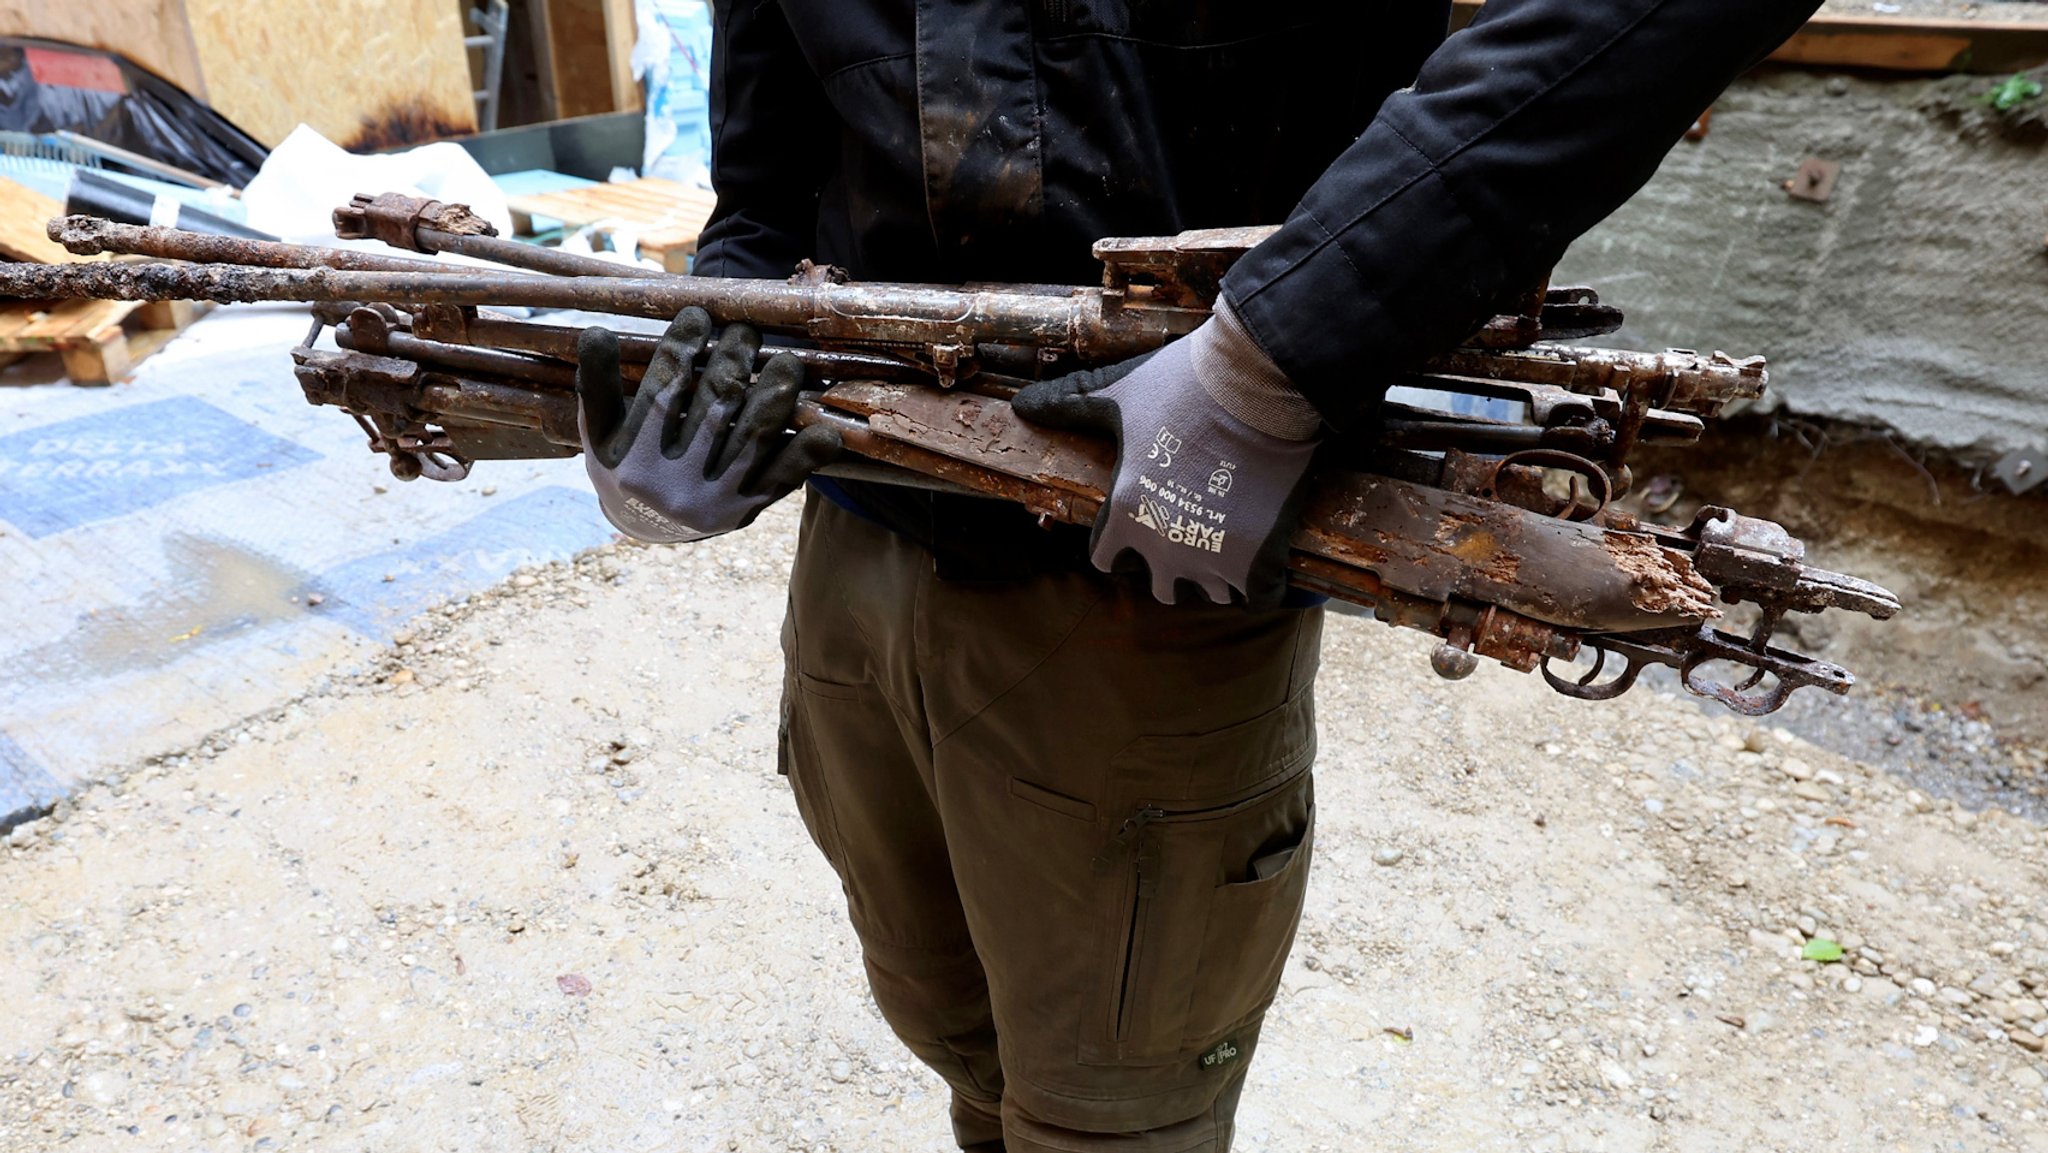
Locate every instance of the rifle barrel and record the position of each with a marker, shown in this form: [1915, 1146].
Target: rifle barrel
[864, 314]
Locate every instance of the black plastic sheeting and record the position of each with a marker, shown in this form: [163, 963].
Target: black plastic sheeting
[96, 194]
[46, 86]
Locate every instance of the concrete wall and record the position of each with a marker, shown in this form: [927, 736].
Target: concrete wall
[1916, 298]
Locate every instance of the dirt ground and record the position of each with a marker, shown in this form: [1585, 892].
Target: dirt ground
[529, 882]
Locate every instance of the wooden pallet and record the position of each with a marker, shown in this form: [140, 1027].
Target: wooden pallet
[666, 216]
[100, 340]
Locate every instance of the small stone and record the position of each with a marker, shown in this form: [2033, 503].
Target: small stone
[1795, 768]
[1617, 1078]
[1753, 741]
[523, 581]
[1955, 996]
[842, 1071]
[2026, 1077]
[1925, 1035]
[2028, 1041]
[1922, 987]
[104, 1088]
[490, 490]
[1388, 856]
[1810, 791]
[314, 600]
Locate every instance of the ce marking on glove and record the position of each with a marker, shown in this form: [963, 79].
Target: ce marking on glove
[1165, 447]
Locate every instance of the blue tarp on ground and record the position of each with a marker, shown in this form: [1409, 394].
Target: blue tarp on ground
[159, 540]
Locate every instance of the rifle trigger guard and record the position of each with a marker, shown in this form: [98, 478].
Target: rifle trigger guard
[1585, 688]
[1597, 480]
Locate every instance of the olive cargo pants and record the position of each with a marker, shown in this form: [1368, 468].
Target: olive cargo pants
[1073, 826]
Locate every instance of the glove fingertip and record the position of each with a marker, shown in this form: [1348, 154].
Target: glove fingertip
[815, 447]
[1053, 403]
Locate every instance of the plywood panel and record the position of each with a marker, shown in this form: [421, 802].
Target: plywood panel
[368, 74]
[152, 33]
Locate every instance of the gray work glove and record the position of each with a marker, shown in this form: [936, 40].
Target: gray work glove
[692, 459]
[1212, 448]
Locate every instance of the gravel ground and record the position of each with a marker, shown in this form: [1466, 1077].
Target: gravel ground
[529, 882]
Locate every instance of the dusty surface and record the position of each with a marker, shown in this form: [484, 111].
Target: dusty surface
[531, 883]
[2033, 10]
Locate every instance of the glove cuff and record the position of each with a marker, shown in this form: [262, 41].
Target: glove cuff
[1239, 376]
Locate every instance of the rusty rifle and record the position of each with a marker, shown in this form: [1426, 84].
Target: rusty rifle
[1500, 536]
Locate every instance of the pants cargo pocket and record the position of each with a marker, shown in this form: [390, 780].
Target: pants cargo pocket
[808, 721]
[1251, 930]
[1204, 901]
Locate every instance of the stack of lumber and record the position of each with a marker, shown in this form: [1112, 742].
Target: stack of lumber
[100, 340]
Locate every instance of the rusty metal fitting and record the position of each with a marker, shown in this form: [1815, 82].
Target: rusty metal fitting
[396, 219]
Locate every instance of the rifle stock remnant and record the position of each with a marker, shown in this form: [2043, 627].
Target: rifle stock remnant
[1501, 537]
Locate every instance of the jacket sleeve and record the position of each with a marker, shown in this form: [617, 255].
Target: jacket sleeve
[772, 141]
[1520, 134]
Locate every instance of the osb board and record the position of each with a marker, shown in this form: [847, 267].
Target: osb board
[24, 222]
[367, 74]
[152, 33]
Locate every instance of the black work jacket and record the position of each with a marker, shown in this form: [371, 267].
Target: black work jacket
[1421, 181]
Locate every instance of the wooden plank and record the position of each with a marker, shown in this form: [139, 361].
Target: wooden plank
[579, 67]
[1892, 44]
[100, 341]
[368, 74]
[152, 33]
[102, 360]
[666, 216]
[24, 217]
[1923, 53]
[619, 34]
[650, 202]
[74, 320]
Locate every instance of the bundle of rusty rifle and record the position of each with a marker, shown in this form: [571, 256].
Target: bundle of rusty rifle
[1501, 537]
